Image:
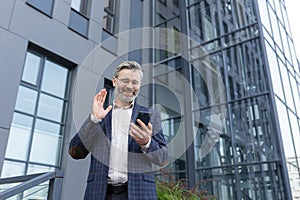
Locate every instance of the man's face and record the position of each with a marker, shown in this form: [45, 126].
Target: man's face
[127, 85]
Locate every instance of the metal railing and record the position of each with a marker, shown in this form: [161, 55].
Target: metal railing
[24, 187]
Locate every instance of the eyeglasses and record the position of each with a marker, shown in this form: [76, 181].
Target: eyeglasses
[126, 81]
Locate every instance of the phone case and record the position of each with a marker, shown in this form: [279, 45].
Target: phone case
[144, 116]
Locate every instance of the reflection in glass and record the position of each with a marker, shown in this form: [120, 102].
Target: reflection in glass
[254, 138]
[294, 177]
[19, 137]
[220, 182]
[167, 43]
[81, 6]
[54, 79]
[11, 169]
[244, 66]
[207, 80]
[109, 21]
[50, 108]
[38, 192]
[46, 144]
[26, 100]
[213, 145]
[34, 169]
[263, 176]
[31, 68]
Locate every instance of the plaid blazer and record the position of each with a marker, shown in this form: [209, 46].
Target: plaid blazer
[95, 138]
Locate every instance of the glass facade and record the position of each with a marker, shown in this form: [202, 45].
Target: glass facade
[242, 71]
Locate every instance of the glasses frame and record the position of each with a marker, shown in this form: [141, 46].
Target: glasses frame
[126, 81]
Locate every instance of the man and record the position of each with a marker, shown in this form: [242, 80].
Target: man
[122, 153]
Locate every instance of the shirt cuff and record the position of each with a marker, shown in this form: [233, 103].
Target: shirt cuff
[95, 119]
[145, 147]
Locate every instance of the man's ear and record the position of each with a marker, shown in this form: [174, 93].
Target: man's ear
[114, 80]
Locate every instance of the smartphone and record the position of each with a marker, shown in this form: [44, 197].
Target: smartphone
[144, 116]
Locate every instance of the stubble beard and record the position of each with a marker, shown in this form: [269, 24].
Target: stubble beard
[122, 97]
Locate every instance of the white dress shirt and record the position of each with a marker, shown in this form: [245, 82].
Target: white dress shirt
[121, 117]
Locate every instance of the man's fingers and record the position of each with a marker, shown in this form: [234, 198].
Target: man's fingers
[100, 97]
[141, 133]
[108, 108]
[136, 135]
[104, 93]
[141, 123]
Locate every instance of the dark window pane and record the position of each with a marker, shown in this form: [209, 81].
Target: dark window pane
[79, 23]
[108, 23]
[45, 5]
[109, 5]
[109, 16]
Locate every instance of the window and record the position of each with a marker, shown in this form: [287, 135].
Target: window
[44, 6]
[81, 6]
[79, 17]
[37, 129]
[108, 85]
[109, 18]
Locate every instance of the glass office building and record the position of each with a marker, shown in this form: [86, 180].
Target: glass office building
[223, 73]
[250, 46]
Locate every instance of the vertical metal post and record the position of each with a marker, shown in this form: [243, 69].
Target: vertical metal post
[188, 112]
[55, 187]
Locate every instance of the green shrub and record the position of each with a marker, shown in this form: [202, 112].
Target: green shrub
[170, 189]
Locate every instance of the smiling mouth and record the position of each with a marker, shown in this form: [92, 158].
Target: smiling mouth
[128, 92]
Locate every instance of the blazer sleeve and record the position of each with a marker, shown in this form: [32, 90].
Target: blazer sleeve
[85, 140]
[157, 152]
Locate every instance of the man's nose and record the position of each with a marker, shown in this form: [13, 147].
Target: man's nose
[130, 85]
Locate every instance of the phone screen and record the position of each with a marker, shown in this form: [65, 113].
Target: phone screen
[144, 116]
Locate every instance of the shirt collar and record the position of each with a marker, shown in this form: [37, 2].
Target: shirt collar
[117, 106]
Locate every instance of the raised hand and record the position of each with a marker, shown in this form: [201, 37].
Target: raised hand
[98, 110]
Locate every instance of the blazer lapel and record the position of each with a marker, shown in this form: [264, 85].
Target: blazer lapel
[108, 123]
[134, 115]
[135, 112]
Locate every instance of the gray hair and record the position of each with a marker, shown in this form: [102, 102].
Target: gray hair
[131, 65]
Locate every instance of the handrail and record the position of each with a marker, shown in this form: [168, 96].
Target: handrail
[30, 182]
[18, 179]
